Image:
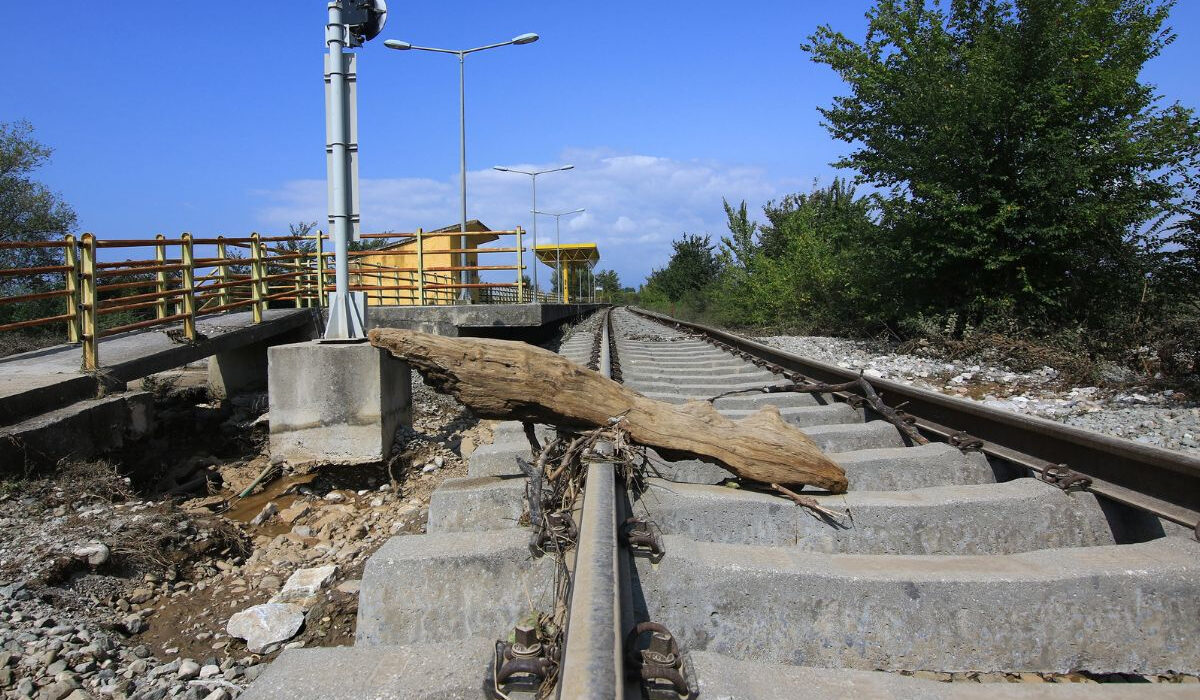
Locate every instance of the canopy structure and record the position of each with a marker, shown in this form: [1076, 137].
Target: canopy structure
[578, 260]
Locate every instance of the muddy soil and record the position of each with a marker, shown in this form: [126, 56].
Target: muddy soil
[118, 577]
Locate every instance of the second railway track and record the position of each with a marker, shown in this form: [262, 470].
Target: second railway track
[940, 563]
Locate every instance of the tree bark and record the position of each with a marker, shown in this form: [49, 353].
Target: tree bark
[508, 380]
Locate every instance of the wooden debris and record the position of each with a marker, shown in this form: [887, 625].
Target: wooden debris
[509, 380]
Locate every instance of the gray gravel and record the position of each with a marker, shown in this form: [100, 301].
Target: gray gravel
[1167, 419]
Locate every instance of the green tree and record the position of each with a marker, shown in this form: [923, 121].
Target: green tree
[1024, 155]
[804, 270]
[608, 284]
[29, 211]
[692, 268]
[739, 247]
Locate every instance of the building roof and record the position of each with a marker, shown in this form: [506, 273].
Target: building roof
[477, 234]
[571, 252]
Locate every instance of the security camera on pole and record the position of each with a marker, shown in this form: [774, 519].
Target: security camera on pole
[351, 22]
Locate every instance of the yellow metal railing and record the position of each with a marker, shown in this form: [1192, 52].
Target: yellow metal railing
[186, 278]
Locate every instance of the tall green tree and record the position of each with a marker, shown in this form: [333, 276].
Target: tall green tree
[1023, 153]
[740, 245]
[608, 284]
[803, 270]
[29, 211]
[693, 266]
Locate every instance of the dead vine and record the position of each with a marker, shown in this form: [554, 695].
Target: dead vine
[905, 423]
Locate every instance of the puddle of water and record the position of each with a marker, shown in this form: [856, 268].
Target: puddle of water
[281, 491]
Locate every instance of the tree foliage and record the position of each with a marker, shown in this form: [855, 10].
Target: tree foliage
[802, 267]
[29, 211]
[693, 266]
[1023, 154]
[608, 284]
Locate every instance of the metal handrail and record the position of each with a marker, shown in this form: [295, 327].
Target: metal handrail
[102, 298]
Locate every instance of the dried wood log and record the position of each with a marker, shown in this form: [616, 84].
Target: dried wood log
[508, 380]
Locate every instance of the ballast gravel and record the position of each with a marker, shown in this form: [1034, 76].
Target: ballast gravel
[1169, 419]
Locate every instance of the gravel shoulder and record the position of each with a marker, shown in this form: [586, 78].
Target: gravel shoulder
[1168, 418]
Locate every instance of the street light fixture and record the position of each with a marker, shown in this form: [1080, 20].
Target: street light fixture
[558, 245]
[462, 120]
[533, 177]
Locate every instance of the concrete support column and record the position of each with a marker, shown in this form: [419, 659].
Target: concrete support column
[243, 368]
[237, 370]
[336, 403]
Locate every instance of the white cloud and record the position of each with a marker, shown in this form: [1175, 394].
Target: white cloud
[636, 204]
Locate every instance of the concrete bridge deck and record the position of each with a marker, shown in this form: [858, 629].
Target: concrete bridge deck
[34, 382]
[50, 407]
[42, 380]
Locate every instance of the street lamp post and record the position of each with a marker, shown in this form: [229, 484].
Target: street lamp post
[558, 244]
[462, 121]
[533, 177]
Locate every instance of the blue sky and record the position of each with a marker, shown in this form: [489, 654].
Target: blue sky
[208, 117]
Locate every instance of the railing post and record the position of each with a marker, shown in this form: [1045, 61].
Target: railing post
[160, 277]
[520, 265]
[320, 270]
[222, 272]
[256, 277]
[71, 258]
[188, 258]
[421, 266]
[88, 299]
[296, 265]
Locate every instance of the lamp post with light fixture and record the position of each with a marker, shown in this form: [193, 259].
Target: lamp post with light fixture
[558, 245]
[462, 120]
[533, 177]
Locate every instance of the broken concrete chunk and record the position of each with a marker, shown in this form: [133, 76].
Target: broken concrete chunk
[265, 514]
[304, 584]
[266, 624]
[95, 553]
[297, 511]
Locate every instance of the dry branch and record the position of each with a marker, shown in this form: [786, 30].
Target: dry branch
[896, 417]
[514, 381]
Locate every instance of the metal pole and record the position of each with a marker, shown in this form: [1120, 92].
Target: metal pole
[320, 244]
[222, 272]
[188, 283]
[462, 168]
[89, 300]
[536, 288]
[71, 259]
[256, 275]
[160, 277]
[344, 319]
[558, 252]
[421, 265]
[520, 267]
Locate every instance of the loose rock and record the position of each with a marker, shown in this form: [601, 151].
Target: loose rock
[266, 624]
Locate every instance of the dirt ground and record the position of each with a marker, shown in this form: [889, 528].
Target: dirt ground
[175, 552]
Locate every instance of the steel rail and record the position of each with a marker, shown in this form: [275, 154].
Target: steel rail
[593, 664]
[1158, 481]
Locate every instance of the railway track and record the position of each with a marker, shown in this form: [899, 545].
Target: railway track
[939, 564]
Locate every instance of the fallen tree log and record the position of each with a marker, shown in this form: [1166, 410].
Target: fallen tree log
[508, 380]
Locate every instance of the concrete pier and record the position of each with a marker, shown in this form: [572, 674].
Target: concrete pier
[336, 403]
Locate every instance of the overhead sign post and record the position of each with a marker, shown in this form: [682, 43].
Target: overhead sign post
[351, 22]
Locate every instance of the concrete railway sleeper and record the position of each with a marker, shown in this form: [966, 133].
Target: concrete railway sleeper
[939, 564]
